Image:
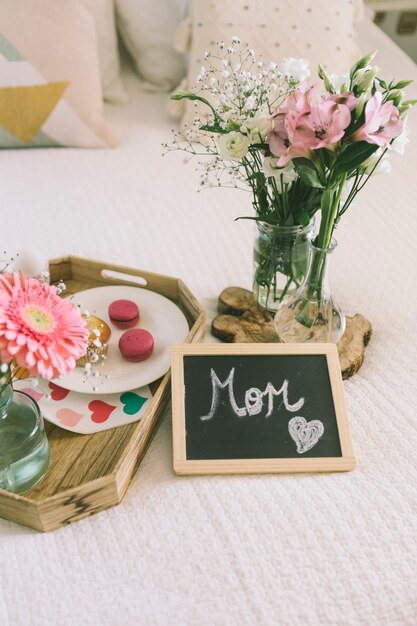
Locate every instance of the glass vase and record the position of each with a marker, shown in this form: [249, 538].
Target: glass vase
[24, 449]
[310, 314]
[280, 258]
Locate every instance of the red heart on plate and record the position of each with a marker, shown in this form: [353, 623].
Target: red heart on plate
[100, 411]
[58, 393]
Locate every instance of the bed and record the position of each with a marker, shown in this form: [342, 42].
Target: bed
[302, 550]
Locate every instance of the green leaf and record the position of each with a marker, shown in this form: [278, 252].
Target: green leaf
[308, 172]
[267, 220]
[214, 128]
[326, 157]
[303, 218]
[353, 155]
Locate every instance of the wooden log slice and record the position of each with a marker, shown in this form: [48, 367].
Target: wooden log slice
[242, 320]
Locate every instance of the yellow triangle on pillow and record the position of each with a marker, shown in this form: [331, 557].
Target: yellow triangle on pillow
[24, 110]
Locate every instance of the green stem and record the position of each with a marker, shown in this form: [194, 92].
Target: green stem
[330, 202]
[329, 207]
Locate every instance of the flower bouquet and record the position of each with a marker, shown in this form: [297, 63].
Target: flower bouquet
[41, 335]
[297, 148]
[238, 95]
[336, 140]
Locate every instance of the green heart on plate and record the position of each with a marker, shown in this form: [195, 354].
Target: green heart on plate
[133, 403]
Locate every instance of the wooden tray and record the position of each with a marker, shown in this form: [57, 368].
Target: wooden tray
[90, 473]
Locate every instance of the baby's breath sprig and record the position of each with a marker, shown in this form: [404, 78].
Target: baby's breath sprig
[235, 99]
[6, 261]
[96, 353]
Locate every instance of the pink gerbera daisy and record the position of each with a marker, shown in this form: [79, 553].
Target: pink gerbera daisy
[41, 331]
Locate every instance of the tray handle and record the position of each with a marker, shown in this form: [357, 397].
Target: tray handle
[100, 273]
[113, 275]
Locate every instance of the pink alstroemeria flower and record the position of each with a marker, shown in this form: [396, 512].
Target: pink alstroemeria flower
[281, 139]
[323, 127]
[347, 98]
[301, 100]
[382, 122]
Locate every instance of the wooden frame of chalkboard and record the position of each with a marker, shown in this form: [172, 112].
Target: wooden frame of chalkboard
[221, 428]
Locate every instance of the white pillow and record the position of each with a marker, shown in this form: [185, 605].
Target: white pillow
[321, 31]
[104, 13]
[148, 29]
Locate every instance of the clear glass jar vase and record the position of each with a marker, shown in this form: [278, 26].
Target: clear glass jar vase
[310, 314]
[280, 258]
[24, 449]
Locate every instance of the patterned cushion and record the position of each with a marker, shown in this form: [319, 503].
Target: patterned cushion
[50, 92]
[321, 31]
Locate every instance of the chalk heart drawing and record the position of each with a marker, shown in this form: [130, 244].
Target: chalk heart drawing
[100, 411]
[57, 393]
[305, 434]
[68, 417]
[36, 395]
[133, 403]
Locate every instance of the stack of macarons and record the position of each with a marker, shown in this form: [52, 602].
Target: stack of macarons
[135, 344]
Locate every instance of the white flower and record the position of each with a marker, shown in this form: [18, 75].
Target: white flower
[297, 70]
[233, 145]
[383, 167]
[338, 81]
[258, 126]
[398, 145]
[271, 169]
[250, 103]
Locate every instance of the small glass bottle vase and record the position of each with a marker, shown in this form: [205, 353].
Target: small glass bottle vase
[310, 314]
[24, 449]
[280, 258]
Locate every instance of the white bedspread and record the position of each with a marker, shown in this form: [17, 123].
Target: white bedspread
[336, 549]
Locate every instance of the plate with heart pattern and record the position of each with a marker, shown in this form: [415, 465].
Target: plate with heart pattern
[161, 317]
[86, 413]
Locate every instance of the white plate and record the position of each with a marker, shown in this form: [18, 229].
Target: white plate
[87, 413]
[161, 317]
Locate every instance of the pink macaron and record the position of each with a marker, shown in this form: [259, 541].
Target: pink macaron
[124, 313]
[136, 344]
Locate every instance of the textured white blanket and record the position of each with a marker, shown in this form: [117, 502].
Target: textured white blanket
[337, 550]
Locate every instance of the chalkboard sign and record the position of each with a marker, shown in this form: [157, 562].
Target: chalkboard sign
[243, 408]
